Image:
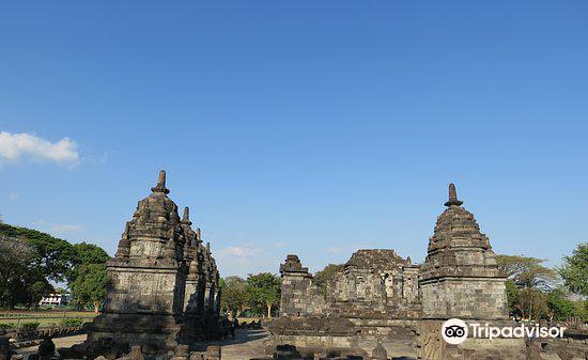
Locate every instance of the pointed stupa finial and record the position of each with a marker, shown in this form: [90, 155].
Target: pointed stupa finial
[453, 197]
[208, 247]
[186, 217]
[198, 234]
[160, 187]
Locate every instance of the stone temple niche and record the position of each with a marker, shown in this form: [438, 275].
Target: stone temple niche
[459, 277]
[158, 279]
[378, 280]
[389, 285]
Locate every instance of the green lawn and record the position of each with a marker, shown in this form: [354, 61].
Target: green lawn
[46, 318]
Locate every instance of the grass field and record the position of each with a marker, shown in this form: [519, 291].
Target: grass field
[50, 318]
[46, 318]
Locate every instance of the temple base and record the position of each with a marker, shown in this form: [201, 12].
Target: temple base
[163, 331]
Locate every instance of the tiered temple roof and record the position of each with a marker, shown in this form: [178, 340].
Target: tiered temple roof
[457, 246]
[163, 282]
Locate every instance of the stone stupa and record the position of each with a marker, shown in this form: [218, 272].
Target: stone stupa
[157, 278]
[459, 277]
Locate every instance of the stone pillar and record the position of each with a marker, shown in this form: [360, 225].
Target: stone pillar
[299, 296]
[410, 282]
[192, 282]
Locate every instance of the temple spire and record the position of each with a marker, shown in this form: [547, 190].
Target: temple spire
[453, 197]
[160, 187]
[186, 217]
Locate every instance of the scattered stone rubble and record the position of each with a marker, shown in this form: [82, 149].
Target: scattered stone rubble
[5, 351]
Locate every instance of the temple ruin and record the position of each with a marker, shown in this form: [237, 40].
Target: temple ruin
[163, 299]
[459, 277]
[378, 294]
[163, 283]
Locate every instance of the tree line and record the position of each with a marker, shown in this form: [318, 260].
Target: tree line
[537, 292]
[32, 263]
[258, 295]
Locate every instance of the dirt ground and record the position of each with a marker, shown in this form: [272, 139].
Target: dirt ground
[59, 342]
[246, 345]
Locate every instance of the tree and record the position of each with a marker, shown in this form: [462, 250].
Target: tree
[89, 286]
[21, 280]
[52, 256]
[528, 282]
[513, 296]
[323, 277]
[37, 291]
[234, 295]
[264, 290]
[574, 272]
[89, 254]
[60, 290]
[560, 307]
[84, 254]
[581, 307]
[533, 304]
[527, 272]
[29, 259]
[88, 279]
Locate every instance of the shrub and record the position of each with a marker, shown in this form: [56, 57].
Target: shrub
[71, 322]
[29, 326]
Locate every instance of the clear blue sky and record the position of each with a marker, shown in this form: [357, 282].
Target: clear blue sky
[309, 127]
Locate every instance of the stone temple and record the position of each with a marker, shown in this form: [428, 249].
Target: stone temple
[459, 277]
[163, 283]
[378, 294]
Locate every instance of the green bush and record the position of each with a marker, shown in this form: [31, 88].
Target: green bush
[582, 310]
[5, 327]
[29, 326]
[560, 306]
[72, 322]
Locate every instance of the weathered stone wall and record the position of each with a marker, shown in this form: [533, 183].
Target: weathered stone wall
[375, 282]
[464, 298]
[305, 297]
[142, 291]
[299, 295]
[374, 295]
[313, 334]
[373, 276]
